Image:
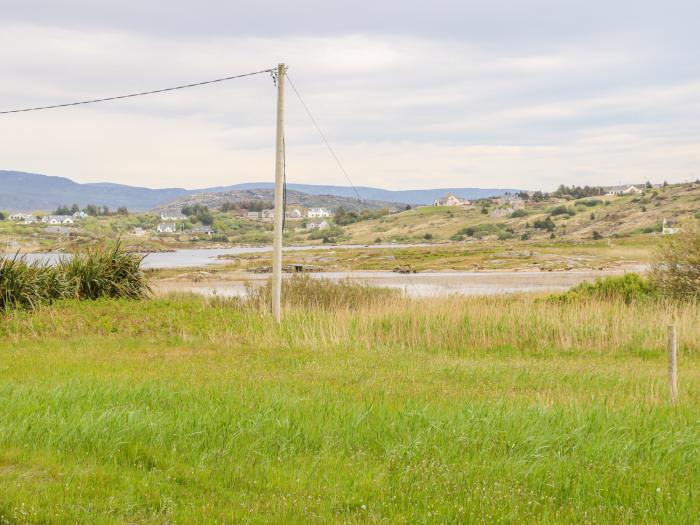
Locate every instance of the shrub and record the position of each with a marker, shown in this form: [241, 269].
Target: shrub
[428, 236]
[676, 268]
[590, 203]
[597, 236]
[563, 210]
[628, 288]
[546, 224]
[518, 213]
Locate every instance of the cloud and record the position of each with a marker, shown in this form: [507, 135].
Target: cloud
[523, 94]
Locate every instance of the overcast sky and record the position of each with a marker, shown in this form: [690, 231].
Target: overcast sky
[496, 93]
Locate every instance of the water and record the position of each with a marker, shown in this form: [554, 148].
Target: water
[188, 258]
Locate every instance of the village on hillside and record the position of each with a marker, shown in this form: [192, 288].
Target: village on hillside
[567, 213]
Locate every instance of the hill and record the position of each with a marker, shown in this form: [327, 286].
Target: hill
[294, 198]
[556, 218]
[30, 191]
[412, 197]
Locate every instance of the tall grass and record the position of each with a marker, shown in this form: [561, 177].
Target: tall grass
[95, 273]
[302, 291]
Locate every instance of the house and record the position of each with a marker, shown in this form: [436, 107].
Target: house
[206, 230]
[317, 225]
[138, 231]
[294, 214]
[451, 200]
[57, 219]
[267, 214]
[24, 218]
[253, 215]
[168, 227]
[318, 212]
[625, 189]
[669, 227]
[172, 216]
[80, 215]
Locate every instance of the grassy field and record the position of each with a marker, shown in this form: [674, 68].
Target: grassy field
[482, 410]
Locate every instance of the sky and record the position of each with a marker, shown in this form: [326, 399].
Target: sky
[510, 94]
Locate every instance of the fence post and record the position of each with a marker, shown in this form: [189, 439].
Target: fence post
[672, 363]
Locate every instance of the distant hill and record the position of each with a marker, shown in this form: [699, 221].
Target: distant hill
[413, 197]
[28, 191]
[294, 198]
[21, 191]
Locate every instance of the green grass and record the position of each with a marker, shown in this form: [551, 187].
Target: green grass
[488, 410]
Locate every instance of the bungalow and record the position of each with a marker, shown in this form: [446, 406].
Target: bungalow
[206, 230]
[318, 212]
[80, 215]
[169, 227]
[57, 219]
[24, 218]
[138, 231]
[253, 215]
[172, 216]
[625, 189]
[451, 200]
[317, 225]
[267, 214]
[294, 214]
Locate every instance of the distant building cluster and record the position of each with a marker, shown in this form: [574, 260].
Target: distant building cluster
[451, 200]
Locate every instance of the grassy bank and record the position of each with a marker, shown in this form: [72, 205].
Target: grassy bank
[488, 410]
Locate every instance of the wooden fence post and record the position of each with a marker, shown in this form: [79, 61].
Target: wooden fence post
[672, 363]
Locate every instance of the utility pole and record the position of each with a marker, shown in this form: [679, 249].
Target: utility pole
[279, 197]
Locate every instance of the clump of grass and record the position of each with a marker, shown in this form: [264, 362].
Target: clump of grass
[629, 288]
[29, 286]
[96, 273]
[105, 272]
[307, 292]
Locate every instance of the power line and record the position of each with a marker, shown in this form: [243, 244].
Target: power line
[131, 95]
[323, 136]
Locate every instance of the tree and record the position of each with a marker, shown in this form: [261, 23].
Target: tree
[676, 267]
[62, 210]
[122, 210]
[74, 208]
[91, 210]
[2, 216]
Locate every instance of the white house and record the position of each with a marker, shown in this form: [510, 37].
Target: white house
[206, 230]
[317, 225]
[253, 215]
[626, 189]
[80, 215]
[451, 200]
[168, 227]
[669, 227]
[172, 216]
[57, 219]
[294, 214]
[267, 214]
[24, 218]
[318, 212]
[138, 231]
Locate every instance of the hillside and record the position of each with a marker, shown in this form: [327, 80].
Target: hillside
[30, 191]
[294, 198]
[412, 197]
[583, 219]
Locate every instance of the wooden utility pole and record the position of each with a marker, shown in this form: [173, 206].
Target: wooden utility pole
[279, 198]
